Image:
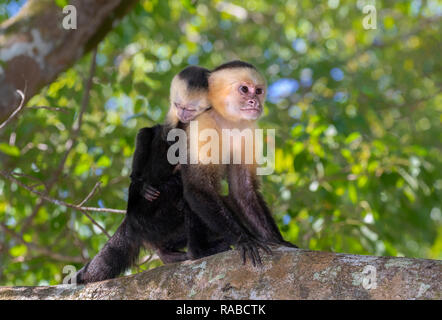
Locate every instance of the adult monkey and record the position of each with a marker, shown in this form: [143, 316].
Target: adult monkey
[237, 93]
[157, 215]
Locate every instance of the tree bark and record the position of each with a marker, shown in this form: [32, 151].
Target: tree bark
[35, 48]
[287, 274]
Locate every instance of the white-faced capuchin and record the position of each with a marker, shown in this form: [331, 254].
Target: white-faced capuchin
[236, 93]
[157, 216]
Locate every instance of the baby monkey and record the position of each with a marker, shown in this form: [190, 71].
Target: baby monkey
[188, 95]
[188, 99]
[158, 217]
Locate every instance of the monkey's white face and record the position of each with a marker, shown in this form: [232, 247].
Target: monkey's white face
[245, 100]
[188, 109]
[186, 104]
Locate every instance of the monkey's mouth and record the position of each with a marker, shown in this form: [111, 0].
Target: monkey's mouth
[186, 114]
[252, 110]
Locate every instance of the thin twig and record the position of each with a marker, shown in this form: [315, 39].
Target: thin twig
[64, 110]
[16, 111]
[96, 223]
[56, 201]
[91, 194]
[147, 259]
[39, 182]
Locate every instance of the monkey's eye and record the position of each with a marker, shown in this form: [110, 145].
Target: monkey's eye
[244, 89]
[259, 91]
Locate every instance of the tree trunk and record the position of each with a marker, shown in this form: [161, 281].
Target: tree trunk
[35, 48]
[287, 274]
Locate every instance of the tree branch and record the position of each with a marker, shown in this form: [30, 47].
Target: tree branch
[91, 194]
[96, 223]
[56, 201]
[58, 109]
[16, 111]
[38, 25]
[286, 274]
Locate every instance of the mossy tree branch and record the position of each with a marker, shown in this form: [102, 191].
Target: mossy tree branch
[287, 274]
[35, 48]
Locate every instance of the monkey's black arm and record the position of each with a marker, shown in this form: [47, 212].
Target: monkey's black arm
[141, 154]
[139, 174]
[118, 254]
[203, 198]
[246, 195]
[201, 241]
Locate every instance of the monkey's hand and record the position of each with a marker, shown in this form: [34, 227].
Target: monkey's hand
[249, 247]
[149, 193]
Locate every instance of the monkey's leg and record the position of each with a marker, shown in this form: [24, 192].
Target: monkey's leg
[199, 244]
[202, 195]
[244, 191]
[118, 254]
[169, 249]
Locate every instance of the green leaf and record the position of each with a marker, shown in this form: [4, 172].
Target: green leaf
[104, 161]
[352, 193]
[61, 3]
[9, 150]
[352, 137]
[18, 251]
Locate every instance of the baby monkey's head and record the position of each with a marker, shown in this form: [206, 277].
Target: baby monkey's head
[188, 95]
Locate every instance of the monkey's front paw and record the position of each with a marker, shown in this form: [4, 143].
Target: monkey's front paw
[250, 248]
[150, 193]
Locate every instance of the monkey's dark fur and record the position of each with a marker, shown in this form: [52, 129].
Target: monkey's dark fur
[165, 224]
[234, 64]
[242, 216]
[195, 77]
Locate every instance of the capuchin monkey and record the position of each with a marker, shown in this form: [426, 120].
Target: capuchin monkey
[157, 216]
[236, 93]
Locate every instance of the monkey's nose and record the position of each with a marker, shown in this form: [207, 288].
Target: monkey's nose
[251, 102]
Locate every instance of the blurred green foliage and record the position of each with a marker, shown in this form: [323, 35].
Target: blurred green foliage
[357, 115]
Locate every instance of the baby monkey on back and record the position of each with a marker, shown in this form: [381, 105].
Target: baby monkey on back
[158, 217]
